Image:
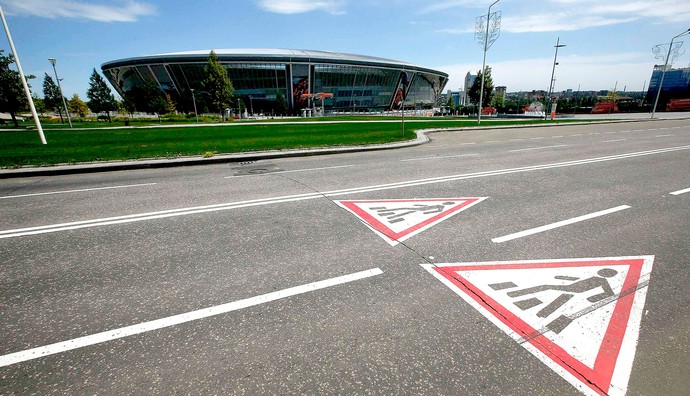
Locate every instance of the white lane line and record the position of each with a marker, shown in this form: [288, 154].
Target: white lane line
[439, 157]
[687, 190]
[76, 191]
[557, 136]
[625, 131]
[157, 324]
[659, 136]
[614, 140]
[301, 197]
[577, 134]
[536, 138]
[466, 144]
[291, 171]
[537, 148]
[558, 224]
[515, 140]
[609, 133]
[493, 141]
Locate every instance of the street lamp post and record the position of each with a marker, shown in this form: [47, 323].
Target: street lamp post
[194, 102]
[487, 43]
[553, 72]
[64, 103]
[251, 105]
[663, 72]
[24, 83]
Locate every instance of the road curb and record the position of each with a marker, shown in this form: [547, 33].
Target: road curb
[421, 138]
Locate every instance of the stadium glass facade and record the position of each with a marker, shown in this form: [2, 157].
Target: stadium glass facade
[264, 78]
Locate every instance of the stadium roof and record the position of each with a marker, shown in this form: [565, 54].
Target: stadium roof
[267, 55]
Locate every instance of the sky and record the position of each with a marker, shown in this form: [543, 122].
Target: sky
[608, 42]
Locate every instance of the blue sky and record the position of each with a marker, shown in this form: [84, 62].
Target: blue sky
[608, 41]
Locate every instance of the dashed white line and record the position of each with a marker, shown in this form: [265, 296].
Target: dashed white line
[157, 324]
[493, 141]
[558, 224]
[614, 140]
[660, 136]
[76, 191]
[537, 148]
[291, 171]
[687, 190]
[515, 140]
[439, 157]
[557, 136]
[536, 138]
[609, 133]
[577, 134]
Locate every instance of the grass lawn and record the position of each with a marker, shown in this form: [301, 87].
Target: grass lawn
[23, 148]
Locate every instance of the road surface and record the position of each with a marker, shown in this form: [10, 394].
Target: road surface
[272, 278]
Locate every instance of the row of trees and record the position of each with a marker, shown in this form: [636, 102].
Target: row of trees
[217, 90]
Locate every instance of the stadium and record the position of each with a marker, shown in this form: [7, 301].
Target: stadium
[294, 81]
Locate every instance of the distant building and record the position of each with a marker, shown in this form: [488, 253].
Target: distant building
[469, 81]
[676, 85]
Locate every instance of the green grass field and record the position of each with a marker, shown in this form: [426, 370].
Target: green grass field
[23, 147]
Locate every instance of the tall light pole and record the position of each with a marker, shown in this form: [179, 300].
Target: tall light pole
[553, 72]
[663, 72]
[21, 75]
[64, 103]
[488, 39]
[194, 101]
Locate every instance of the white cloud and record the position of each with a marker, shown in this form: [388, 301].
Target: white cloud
[572, 15]
[593, 73]
[121, 11]
[301, 6]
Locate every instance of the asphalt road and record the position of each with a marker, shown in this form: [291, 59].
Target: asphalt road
[252, 279]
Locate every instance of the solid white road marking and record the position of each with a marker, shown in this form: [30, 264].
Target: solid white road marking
[75, 191]
[537, 148]
[680, 191]
[614, 140]
[292, 171]
[439, 157]
[558, 224]
[300, 197]
[157, 324]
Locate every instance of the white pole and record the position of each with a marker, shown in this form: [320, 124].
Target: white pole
[486, 39]
[21, 75]
[663, 72]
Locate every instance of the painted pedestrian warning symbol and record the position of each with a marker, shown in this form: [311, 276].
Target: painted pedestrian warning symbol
[396, 220]
[581, 317]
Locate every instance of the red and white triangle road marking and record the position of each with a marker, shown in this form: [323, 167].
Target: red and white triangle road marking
[581, 317]
[396, 220]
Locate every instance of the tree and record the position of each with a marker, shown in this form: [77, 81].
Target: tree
[169, 104]
[488, 88]
[39, 104]
[100, 97]
[51, 95]
[151, 98]
[217, 84]
[12, 96]
[76, 105]
[281, 104]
